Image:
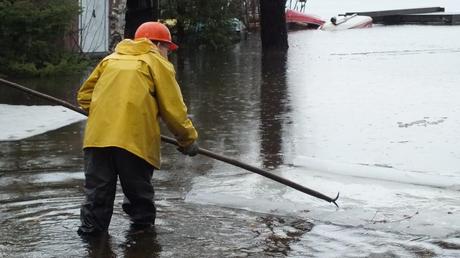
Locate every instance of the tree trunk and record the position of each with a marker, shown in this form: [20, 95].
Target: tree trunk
[273, 108]
[138, 12]
[273, 29]
[117, 22]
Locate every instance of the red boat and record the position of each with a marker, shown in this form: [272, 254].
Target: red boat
[298, 20]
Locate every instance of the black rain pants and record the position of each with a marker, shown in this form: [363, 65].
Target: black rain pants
[102, 167]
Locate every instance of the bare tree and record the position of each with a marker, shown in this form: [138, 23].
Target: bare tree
[117, 22]
[273, 24]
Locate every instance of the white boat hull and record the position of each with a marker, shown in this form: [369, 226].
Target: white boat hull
[347, 22]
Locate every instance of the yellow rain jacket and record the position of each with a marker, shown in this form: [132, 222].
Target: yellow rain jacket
[126, 94]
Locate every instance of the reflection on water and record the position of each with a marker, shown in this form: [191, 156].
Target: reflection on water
[141, 244]
[56, 150]
[222, 91]
[137, 244]
[274, 104]
[63, 87]
[99, 246]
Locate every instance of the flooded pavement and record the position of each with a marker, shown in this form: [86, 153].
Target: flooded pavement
[371, 113]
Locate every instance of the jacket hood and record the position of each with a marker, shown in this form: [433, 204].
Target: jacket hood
[135, 47]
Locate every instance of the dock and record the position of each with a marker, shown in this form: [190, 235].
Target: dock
[425, 16]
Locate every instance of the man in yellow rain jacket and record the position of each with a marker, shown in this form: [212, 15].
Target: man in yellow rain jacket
[125, 96]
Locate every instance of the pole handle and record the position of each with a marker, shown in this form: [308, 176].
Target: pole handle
[200, 150]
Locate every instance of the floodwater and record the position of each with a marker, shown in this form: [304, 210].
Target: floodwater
[370, 113]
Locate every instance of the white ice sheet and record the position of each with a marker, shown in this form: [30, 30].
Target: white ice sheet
[18, 122]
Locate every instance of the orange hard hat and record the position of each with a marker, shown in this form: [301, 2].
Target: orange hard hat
[155, 31]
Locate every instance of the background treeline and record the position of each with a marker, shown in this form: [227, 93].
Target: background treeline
[203, 22]
[37, 35]
[33, 37]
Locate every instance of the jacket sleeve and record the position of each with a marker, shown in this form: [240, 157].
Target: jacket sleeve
[85, 92]
[171, 105]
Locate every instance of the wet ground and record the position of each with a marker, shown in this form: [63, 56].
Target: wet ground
[371, 113]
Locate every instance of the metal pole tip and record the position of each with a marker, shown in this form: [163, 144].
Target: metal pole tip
[335, 199]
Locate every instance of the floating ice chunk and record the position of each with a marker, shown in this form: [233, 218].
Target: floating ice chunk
[18, 122]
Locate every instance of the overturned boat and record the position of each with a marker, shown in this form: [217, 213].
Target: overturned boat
[346, 22]
[296, 20]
